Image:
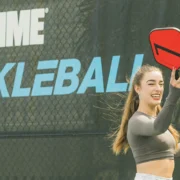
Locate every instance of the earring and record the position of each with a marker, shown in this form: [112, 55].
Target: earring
[139, 95]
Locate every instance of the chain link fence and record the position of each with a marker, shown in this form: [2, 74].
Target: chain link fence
[63, 137]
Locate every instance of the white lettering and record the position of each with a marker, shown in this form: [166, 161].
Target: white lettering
[37, 26]
[2, 29]
[18, 30]
[27, 29]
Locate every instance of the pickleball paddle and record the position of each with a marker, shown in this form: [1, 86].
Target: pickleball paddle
[165, 45]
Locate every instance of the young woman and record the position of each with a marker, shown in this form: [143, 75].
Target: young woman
[146, 127]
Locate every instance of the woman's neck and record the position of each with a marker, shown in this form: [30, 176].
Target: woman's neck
[148, 111]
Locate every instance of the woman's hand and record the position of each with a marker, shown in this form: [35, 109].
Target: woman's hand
[173, 81]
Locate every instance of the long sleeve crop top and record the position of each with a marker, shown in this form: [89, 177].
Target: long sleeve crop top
[149, 137]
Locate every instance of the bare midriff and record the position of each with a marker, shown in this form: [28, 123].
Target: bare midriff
[161, 167]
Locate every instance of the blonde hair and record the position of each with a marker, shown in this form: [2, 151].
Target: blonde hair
[131, 105]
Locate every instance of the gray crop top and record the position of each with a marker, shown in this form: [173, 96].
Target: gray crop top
[149, 137]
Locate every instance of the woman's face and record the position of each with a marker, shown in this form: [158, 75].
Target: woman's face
[151, 89]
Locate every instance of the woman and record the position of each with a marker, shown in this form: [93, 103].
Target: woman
[146, 127]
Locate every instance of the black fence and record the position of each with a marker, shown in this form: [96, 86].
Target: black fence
[56, 60]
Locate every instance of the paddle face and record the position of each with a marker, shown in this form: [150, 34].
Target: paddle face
[165, 44]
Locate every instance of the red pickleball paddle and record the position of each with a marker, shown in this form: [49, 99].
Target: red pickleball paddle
[165, 45]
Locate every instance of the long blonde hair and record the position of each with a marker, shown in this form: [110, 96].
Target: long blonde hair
[131, 105]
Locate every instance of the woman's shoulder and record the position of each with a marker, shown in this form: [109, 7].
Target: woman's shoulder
[139, 117]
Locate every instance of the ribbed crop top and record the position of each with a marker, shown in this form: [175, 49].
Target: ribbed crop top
[149, 137]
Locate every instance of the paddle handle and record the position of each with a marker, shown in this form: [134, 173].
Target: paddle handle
[177, 74]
